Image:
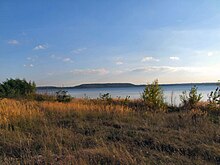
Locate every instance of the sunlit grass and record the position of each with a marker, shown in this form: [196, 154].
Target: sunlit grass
[87, 131]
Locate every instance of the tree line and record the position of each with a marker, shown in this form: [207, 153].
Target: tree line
[17, 88]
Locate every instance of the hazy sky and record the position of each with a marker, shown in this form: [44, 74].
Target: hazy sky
[69, 42]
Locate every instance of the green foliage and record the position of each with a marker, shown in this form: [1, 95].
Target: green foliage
[214, 96]
[190, 100]
[126, 100]
[16, 88]
[105, 97]
[153, 96]
[2, 91]
[62, 96]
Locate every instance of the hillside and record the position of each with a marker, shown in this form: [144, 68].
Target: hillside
[116, 85]
[106, 85]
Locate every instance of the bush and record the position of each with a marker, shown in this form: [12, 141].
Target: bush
[126, 100]
[190, 100]
[16, 88]
[105, 97]
[62, 96]
[214, 97]
[153, 96]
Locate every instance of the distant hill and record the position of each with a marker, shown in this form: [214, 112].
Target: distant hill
[114, 85]
[106, 85]
[96, 85]
[48, 87]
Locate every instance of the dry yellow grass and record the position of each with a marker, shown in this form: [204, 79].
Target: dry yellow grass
[100, 132]
[12, 110]
[84, 105]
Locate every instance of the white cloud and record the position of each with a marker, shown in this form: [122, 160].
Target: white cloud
[67, 60]
[119, 63]
[149, 59]
[207, 53]
[29, 65]
[40, 47]
[13, 42]
[174, 58]
[210, 53]
[33, 59]
[101, 71]
[79, 50]
[170, 69]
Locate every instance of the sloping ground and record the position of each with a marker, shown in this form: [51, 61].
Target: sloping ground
[86, 132]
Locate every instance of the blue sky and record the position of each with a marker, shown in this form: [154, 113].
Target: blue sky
[70, 42]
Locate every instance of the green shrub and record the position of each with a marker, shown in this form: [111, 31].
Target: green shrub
[16, 88]
[126, 100]
[62, 96]
[190, 100]
[214, 97]
[105, 97]
[153, 96]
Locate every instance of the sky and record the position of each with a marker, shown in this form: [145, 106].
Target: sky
[71, 42]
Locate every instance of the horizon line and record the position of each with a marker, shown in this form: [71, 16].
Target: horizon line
[181, 83]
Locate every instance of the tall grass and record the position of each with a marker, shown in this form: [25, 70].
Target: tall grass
[86, 131]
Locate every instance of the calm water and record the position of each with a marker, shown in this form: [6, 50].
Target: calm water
[135, 92]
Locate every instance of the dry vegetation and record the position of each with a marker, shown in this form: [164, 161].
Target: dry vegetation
[102, 132]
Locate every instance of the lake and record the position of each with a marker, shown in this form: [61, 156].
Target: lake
[171, 92]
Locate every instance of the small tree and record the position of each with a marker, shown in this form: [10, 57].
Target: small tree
[214, 96]
[153, 96]
[62, 96]
[14, 88]
[190, 100]
[105, 97]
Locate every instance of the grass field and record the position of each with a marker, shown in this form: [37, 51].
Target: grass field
[98, 132]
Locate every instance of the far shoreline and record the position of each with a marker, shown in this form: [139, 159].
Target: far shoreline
[119, 85]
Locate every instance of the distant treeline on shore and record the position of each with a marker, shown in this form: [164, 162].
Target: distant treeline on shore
[117, 85]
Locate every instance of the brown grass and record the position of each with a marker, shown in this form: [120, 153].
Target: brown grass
[99, 132]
